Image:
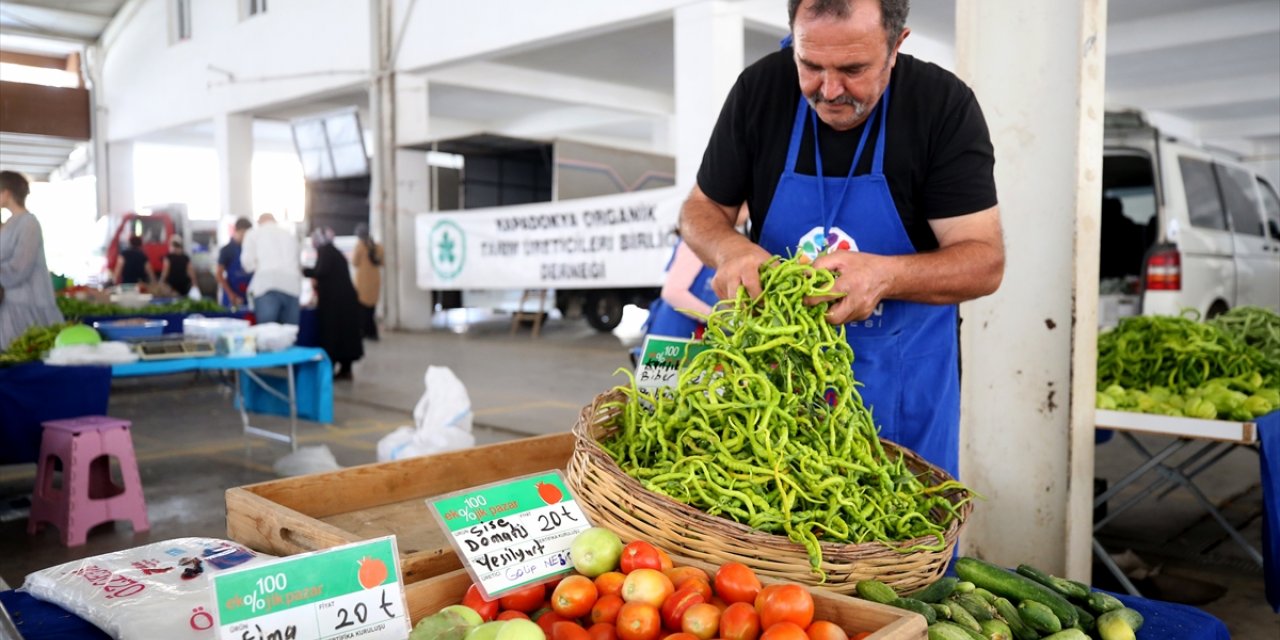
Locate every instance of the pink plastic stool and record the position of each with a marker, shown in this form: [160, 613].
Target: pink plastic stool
[88, 496]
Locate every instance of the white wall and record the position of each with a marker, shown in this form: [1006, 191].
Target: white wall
[296, 49]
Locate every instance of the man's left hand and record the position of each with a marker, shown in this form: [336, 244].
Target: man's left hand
[863, 278]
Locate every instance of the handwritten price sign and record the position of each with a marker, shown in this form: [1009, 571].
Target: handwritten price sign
[661, 360]
[345, 592]
[513, 533]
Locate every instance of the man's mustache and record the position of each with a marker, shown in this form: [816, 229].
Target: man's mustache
[816, 99]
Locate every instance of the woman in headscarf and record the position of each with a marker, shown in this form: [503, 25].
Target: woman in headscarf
[337, 308]
[367, 260]
[26, 290]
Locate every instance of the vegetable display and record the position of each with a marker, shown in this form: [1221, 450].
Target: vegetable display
[766, 427]
[1177, 366]
[73, 309]
[987, 602]
[31, 345]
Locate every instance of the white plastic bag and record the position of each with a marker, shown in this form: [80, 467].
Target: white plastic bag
[84, 354]
[306, 460]
[442, 418]
[160, 590]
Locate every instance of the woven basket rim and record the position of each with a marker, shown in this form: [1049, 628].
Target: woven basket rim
[585, 436]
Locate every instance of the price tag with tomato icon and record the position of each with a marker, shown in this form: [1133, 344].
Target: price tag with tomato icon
[514, 533]
[343, 592]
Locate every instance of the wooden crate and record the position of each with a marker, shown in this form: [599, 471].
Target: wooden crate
[319, 511]
[426, 597]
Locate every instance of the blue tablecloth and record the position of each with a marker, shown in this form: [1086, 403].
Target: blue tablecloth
[1269, 443]
[34, 393]
[314, 379]
[40, 620]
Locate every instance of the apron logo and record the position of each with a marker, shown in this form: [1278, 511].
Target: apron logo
[818, 242]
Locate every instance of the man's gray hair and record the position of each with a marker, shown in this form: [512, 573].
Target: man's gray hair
[893, 14]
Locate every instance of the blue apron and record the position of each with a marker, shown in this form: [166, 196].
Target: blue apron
[666, 321]
[906, 352]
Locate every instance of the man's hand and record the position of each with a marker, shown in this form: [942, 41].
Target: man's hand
[863, 278]
[739, 268]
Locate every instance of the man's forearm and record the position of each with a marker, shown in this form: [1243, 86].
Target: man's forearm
[708, 231]
[963, 271]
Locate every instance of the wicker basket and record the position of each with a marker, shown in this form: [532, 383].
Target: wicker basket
[617, 501]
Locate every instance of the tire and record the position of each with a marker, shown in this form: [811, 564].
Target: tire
[1216, 309]
[603, 311]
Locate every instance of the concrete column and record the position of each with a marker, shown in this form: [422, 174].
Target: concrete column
[119, 167]
[233, 140]
[413, 196]
[383, 211]
[1029, 365]
[708, 59]
[412, 109]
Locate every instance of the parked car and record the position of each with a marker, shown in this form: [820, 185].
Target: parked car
[1184, 227]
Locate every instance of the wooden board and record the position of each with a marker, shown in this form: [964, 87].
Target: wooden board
[307, 513]
[426, 597]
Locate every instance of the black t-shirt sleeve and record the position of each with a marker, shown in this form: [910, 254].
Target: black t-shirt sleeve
[224, 256]
[725, 174]
[959, 174]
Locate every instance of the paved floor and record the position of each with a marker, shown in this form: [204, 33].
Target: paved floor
[190, 451]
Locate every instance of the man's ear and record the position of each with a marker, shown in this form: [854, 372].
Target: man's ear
[893, 57]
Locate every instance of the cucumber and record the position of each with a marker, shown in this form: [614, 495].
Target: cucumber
[876, 591]
[948, 631]
[938, 591]
[913, 605]
[1068, 634]
[943, 610]
[1087, 621]
[1015, 587]
[977, 607]
[1103, 602]
[963, 618]
[1009, 614]
[985, 595]
[1068, 588]
[1039, 617]
[964, 586]
[1119, 624]
[996, 630]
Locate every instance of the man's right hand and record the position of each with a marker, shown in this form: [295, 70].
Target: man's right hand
[739, 268]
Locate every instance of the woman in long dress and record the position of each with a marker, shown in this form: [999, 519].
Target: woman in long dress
[26, 290]
[337, 308]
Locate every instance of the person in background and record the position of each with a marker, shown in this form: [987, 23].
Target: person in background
[26, 289]
[233, 280]
[337, 306]
[178, 272]
[133, 266]
[367, 260]
[271, 254]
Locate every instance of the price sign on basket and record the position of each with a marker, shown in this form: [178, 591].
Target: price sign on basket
[513, 533]
[661, 360]
[344, 592]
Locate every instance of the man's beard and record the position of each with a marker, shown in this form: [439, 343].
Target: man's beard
[859, 108]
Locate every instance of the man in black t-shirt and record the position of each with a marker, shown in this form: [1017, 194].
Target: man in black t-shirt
[900, 203]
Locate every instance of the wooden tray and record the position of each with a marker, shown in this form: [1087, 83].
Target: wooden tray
[307, 513]
[426, 597]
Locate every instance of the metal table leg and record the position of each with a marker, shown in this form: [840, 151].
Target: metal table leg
[293, 411]
[1114, 569]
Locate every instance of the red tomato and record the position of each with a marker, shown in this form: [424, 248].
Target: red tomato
[568, 631]
[702, 620]
[681, 636]
[720, 604]
[603, 631]
[639, 555]
[488, 609]
[697, 584]
[664, 560]
[648, 586]
[764, 595]
[736, 582]
[610, 583]
[784, 631]
[740, 622]
[674, 607]
[789, 603]
[823, 630]
[574, 597]
[639, 621]
[606, 609]
[680, 575]
[512, 614]
[547, 620]
[527, 599]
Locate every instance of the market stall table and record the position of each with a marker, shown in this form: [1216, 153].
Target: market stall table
[1213, 440]
[306, 391]
[34, 393]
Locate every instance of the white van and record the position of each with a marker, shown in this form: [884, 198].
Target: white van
[1183, 227]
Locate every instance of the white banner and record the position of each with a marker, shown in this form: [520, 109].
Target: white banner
[615, 241]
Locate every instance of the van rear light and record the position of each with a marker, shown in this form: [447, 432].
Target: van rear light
[1164, 271]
